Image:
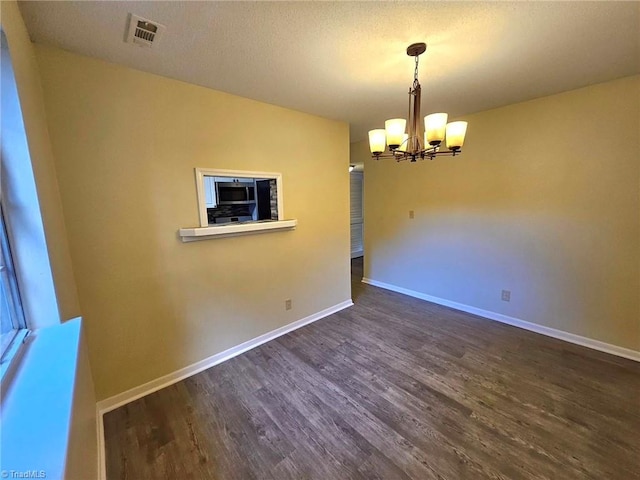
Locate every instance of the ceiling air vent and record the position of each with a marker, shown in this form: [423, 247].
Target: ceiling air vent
[143, 32]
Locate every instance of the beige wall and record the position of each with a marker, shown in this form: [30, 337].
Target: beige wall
[126, 145]
[544, 202]
[30, 91]
[82, 451]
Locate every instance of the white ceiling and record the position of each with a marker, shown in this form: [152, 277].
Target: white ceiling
[347, 60]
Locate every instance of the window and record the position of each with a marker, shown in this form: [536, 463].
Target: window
[235, 202]
[11, 314]
[226, 196]
[27, 243]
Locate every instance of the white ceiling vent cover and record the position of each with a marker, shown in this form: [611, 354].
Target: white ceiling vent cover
[143, 32]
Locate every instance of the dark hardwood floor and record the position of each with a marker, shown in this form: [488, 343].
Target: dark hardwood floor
[391, 388]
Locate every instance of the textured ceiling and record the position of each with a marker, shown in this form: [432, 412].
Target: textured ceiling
[347, 60]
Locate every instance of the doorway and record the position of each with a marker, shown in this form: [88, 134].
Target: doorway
[356, 177]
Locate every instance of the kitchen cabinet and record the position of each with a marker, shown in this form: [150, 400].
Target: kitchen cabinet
[210, 192]
[233, 180]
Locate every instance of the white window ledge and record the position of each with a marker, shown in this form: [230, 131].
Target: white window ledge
[234, 229]
[37, 403]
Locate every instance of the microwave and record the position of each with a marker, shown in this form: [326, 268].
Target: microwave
[235, 193]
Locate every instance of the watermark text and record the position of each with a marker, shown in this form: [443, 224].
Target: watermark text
[23, 474]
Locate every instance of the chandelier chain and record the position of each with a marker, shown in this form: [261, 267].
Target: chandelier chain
[415, 73]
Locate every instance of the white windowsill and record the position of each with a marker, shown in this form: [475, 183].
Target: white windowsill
[37, 402]
[226, 230]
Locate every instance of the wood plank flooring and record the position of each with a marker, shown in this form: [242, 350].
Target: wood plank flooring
[391, 388]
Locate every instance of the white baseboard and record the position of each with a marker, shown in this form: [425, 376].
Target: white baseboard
[123, 398]
[111, 403]
[516, 322]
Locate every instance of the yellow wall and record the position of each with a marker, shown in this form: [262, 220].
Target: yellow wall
[544, 202]
[126, 145]
[82, 450]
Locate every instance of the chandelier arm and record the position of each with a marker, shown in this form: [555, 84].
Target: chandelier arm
[446, 153]
[422, 154]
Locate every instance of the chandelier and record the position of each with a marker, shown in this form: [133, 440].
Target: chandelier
[417, 142]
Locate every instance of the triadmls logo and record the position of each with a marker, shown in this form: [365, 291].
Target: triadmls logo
[23, 474]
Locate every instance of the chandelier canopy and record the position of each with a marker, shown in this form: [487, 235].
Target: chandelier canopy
[417, 142]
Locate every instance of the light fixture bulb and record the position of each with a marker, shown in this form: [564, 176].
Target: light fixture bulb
[395, 130]
[426, 142]
[455, 134]
[351, 167]
[404, 144]
[434, 128]
[377, 141]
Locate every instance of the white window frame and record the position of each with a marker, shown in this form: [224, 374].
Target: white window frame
[19, 332]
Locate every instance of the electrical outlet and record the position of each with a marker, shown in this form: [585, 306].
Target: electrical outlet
[411, 215]
[506, 295]
[287, 304]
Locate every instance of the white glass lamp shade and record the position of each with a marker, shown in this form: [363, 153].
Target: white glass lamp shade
[377, 141]
[395, 130]
[434, 128]
[404, 143]
[455, 135]
[426, 143]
